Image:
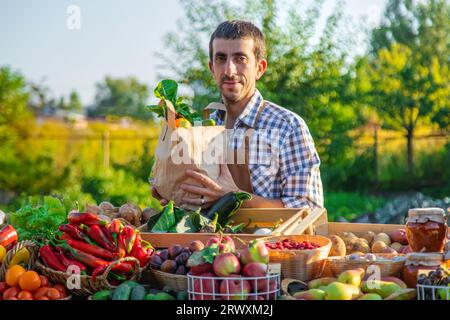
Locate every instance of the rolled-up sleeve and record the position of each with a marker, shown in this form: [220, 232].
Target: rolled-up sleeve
[301, 184]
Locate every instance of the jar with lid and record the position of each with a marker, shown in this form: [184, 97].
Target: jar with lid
[418, 263]
[426, 229]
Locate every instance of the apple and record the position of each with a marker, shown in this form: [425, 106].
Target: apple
[256, 251]
[201, 268]
[225, 245]
[226, 264]
[206, 289]
[235, 288]
[256, 269]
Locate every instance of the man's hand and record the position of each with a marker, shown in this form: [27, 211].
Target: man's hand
[210, 190]
[156, 195]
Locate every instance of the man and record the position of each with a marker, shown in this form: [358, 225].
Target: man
[237, 61]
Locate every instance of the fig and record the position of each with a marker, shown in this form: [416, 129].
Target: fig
[181, 270]
[182, 258]
[196, 245]
[169, 266]
[164, 254]
[155, 262]
[174, 251]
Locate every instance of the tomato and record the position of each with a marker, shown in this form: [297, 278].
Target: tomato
[43, 298]
[53, 294]
[30, 281]
[11, 293]
[13, 275]
[12, 298]
[44, 281]
[62, 289]
[3, 287]
[25, 295]
[41, 292]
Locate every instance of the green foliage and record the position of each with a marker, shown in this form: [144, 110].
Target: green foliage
[39, 218]
[350, 205]
[121, 97]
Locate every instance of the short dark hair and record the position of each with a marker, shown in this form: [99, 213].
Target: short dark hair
[238, 29]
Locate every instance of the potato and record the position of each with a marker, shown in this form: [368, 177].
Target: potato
[131, 213]
[337, 246]
[396, 246]
[389, 250]
[368, 235]
[360, 245]
[347, 236]
[378, 246]
[382, 237]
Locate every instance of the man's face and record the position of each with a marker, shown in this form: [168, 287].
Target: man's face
[235, 68]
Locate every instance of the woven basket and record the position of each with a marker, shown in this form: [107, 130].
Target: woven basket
[31, 247]
[176, 282]
[390, 268]
[87, 284]
[302, 265]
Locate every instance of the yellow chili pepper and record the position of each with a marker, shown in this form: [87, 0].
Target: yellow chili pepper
[2, 253]
[21, 257]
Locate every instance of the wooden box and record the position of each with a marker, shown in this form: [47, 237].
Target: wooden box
[294, 221]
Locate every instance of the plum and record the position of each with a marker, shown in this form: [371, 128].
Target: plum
[169, 266]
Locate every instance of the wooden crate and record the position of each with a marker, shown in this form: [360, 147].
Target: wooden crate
[295, 221]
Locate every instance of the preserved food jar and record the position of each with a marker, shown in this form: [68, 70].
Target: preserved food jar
[426, 229]
[418, 263]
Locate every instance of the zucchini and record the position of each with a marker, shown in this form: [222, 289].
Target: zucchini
[102, 295]
[122, 292]
[227, 206]
[138, 293]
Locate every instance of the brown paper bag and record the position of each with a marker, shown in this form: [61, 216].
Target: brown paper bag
[180, 149]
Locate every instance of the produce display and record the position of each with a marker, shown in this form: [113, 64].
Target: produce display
[437, 278]
[22, 284]
[174, 259]
[291, 245]
[129, 212]
[93, 244]
[346, 243]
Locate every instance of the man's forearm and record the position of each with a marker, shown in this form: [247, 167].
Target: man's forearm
[260, 202]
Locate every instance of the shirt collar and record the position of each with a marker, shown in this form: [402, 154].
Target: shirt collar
[248, 115]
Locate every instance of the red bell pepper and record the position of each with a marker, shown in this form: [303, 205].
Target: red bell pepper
[8, 235]
[96, 234]
[50, 258]
[90, 249]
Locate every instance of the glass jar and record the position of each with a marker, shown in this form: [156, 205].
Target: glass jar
[418, 263]
[426, 229]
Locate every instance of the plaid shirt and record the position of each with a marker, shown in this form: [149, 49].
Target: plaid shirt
[286, 164]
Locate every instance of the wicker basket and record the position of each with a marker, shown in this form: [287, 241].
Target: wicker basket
[87, 284]
[388, 268]
[31, 247]
[302, 265]
[176, 282]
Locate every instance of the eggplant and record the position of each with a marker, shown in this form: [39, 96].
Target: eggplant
[227, 206]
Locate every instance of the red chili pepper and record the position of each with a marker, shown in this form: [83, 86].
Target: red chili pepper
[80, 217]
[129, 236]
[85, 258]
[96, 234]
[140, 253]
[115, 228]
[123, 267]
[8, 235]
[67, 262]
[106, 232]
[75, 233]
[90, 249]
[51, 259]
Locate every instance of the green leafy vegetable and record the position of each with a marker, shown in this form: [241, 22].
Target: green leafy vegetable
[39, 218]
[166, 220]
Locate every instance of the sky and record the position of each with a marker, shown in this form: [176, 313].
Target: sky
[42, 40]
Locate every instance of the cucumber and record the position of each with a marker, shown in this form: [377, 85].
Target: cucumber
[102, 295]
[163, 296]
[150, 296]
[182, 295]
[138, 293]
[227, 206]
[122, 292]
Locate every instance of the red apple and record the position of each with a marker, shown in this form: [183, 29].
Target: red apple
[226, 264]
[206, 289]
[234, 288]
[256, 269]
[255, 297]
[226, 245]
[256, 251]
[201, 268]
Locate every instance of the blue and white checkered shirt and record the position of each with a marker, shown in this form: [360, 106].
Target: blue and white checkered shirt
[286, 165]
